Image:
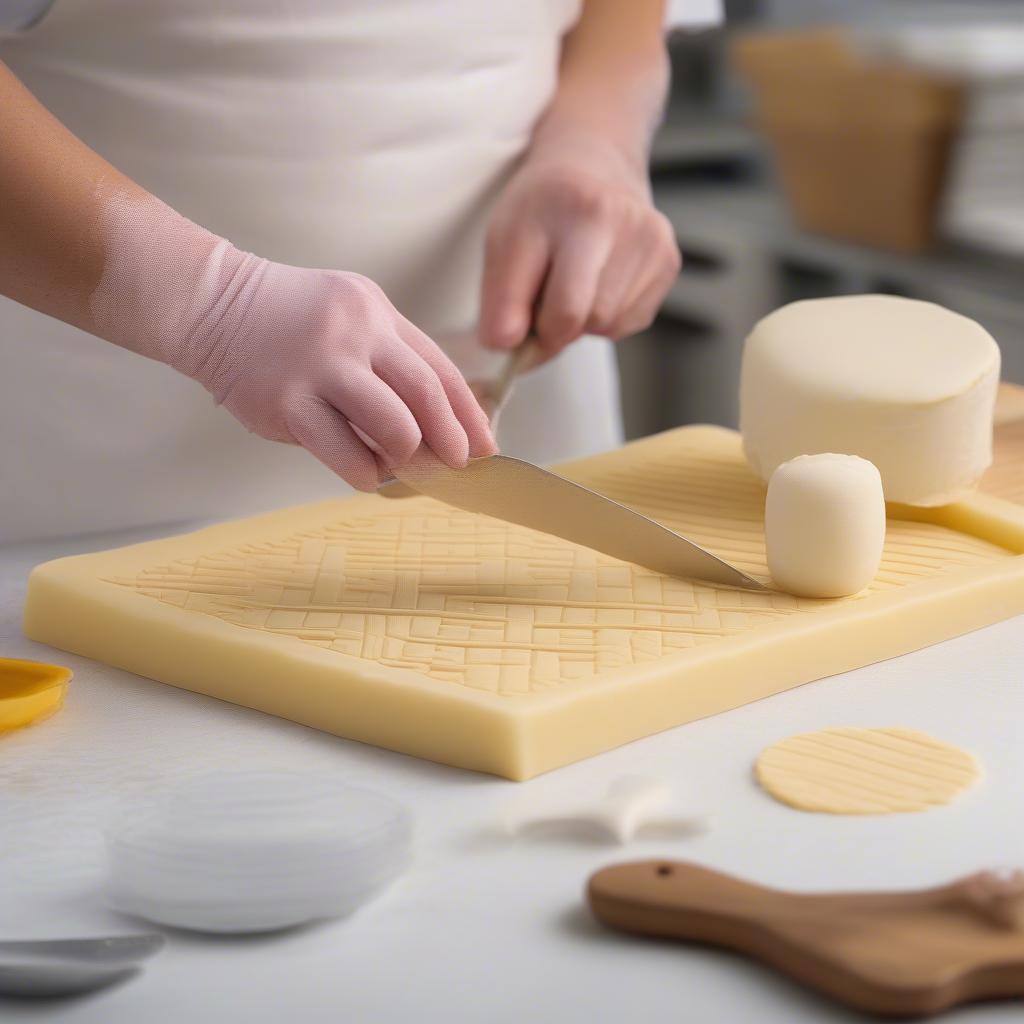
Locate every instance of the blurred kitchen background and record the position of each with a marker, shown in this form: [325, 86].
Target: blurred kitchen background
[826, 147]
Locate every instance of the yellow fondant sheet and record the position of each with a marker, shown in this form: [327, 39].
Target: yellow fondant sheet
[459, 638]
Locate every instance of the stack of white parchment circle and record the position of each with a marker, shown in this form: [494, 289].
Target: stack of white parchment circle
[245, 852]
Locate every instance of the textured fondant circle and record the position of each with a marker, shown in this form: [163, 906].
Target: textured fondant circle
[865, 771]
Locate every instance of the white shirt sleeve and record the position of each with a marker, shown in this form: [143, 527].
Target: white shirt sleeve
[693, 13]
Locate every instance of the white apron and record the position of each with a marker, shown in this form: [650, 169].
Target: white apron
[366, 135]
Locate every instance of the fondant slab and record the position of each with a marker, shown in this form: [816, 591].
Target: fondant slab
[459, 638]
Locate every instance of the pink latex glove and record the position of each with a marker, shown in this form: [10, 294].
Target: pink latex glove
[318, 358]
[575, 246]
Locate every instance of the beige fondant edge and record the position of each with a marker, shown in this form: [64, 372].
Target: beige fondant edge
[524, 736]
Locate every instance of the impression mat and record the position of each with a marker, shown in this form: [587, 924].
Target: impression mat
[462, 639]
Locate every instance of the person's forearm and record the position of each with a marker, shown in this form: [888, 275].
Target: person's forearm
[613, 80]
[52, 188]
[81, 242]
[303, 356]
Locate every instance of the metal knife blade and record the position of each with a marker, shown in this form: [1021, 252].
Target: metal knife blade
[519, 492]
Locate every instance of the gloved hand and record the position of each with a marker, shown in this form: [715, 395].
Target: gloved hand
[318, 358]
[575, 246]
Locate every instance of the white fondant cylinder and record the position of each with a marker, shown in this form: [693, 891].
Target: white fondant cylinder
[824, 525]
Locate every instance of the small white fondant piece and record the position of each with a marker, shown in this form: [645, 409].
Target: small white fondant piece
[824, 525]
[633, 805]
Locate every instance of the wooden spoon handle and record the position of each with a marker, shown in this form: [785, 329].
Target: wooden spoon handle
[677, 900]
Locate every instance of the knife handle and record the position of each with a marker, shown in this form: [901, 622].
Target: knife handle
[519, 361]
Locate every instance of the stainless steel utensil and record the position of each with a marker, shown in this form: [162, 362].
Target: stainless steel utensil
[519, 492]
[64, 967]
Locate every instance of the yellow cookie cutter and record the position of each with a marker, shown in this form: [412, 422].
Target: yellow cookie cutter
[30, 691]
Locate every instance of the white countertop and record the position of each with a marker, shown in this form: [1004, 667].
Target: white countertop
[483, 929]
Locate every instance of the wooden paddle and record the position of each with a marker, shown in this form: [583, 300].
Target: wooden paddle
[894, 953]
